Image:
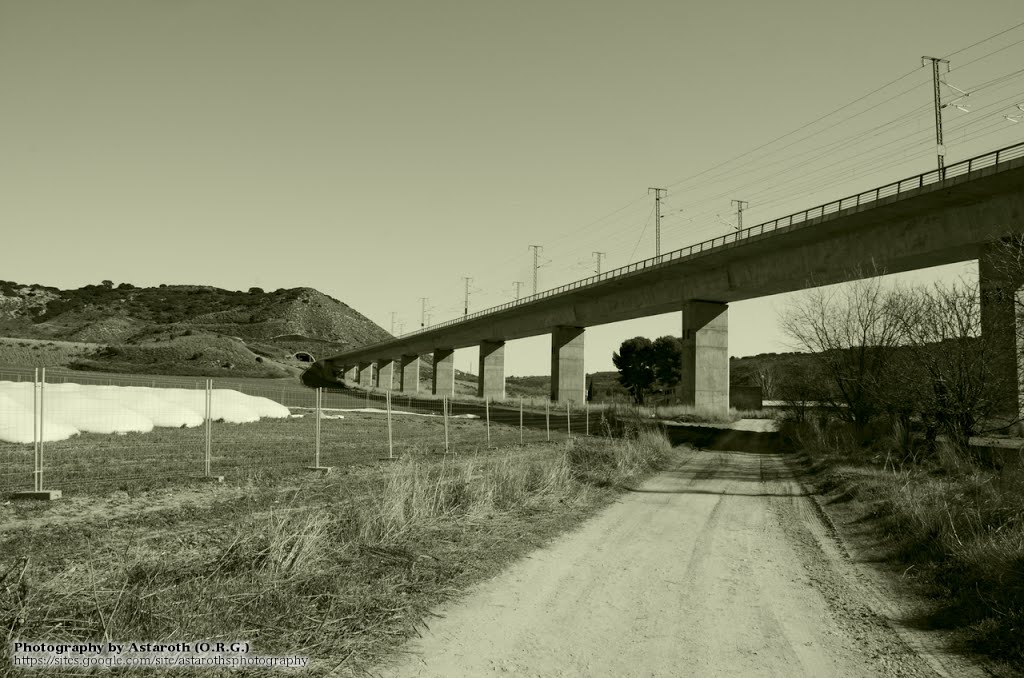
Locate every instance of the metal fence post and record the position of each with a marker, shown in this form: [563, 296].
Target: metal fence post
[319, 399]
[42, 424]
[209, 424]
[444, 406]
[209, 435]
[37, 471]
[38, 433]
[487, 412]
[391, 448]
[520, 420]
[317, 425]
[586, 409]
[568, 419]
[547, 417]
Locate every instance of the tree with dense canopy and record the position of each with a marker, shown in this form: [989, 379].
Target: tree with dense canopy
[635, 363]
[668, 361]
[644, 365]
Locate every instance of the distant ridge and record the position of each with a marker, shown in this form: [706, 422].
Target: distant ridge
[184, 329]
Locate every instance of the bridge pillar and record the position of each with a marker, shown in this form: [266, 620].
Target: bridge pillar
[386, 373]
[568, 378]
[366, 374]
[444, 372]
[352, 373]
[1001, 282]
[491, 375]
[705, 368]
[409, 375]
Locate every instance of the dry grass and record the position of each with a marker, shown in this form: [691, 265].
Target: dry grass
[41, 352]
[955, 525]
[341, 569]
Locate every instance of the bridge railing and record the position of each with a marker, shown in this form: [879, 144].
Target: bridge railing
[990, 159]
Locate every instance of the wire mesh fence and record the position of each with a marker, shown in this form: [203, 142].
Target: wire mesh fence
[96, 434]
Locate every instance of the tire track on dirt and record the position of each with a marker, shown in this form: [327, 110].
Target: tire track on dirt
[718, 567]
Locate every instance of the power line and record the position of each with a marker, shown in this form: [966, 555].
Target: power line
[801, 128]
[829, 150]
[646, 223]
[847, 106]
[991, 53]
[871, 163]
[964, 49]
[611, 220]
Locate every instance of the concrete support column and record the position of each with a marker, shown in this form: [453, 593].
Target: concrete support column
[386, 373]
[568, 378]
[444, 372]
[352, 373]
[366, 375]
[409, 376]
[705, 382]
[1002, 299]
[491, 375]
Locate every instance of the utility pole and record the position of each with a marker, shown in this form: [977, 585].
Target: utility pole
[465, 304]
[938, 109]
[517, 284]
[740, 206]
[658, 192]
[392, 323]
[598, 256]
[536, 264]
[423, 312]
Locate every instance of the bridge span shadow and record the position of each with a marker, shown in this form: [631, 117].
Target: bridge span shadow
[731, 473]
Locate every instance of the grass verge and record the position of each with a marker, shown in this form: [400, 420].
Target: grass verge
[950, 522]
[341, 569]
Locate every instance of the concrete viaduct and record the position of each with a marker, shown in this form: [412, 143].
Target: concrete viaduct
[925, 220]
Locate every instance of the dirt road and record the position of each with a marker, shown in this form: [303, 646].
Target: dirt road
[719, 567]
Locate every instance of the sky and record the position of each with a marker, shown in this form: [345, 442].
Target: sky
[382, 152]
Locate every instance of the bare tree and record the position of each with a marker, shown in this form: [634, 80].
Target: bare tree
[768, 380]
[801, 391]
[854, 328]
[954, 369]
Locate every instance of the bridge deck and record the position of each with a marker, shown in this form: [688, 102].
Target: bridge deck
[917, 222]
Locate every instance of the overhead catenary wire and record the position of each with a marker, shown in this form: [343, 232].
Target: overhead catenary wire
[984, 40]
[858, 138]
[638, 240]
[847, 106]
[792, 132]
[774, 186]
[815, 170]
[984, 56]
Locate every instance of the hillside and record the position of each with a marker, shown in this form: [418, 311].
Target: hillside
[176, 329]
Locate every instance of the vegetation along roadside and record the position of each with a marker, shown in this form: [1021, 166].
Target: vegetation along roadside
[341, 568]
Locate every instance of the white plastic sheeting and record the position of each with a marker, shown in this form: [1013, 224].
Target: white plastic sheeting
[70, 409]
